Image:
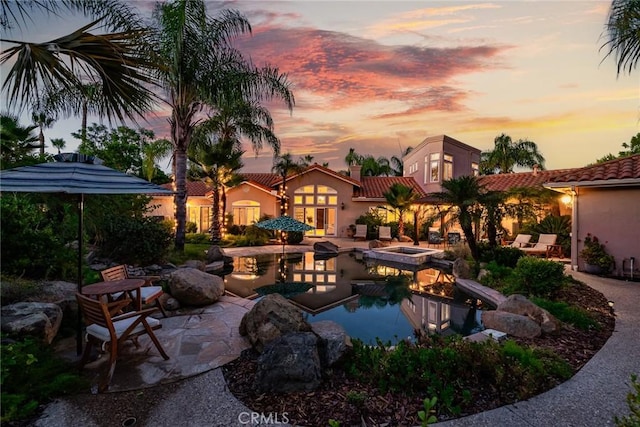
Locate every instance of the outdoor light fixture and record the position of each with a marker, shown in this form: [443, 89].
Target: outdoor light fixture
[342, 205]
[567, 199]
[610, 303]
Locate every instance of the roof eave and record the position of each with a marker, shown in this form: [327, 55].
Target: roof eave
[629, 182]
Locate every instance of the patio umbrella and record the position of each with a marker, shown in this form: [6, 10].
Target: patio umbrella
[284, 223]
[74, 173]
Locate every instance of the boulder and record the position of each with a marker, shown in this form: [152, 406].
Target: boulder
[270, 318]
[333, 342]
[38, 319]
[512, 324]
[482, 274]
[404, 238]
[194, 263]
[289, 363]
[214, 267]
[325, 248]
[216, 253]
[194, 287]
[373, 244]
[519, 304]
[461, 269]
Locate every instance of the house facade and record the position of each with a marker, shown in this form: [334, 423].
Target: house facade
[605, 199]
[439, 158]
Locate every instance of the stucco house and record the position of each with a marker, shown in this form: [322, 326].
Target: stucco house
[606, 203]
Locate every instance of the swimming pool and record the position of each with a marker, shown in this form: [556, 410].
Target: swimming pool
[370, 300]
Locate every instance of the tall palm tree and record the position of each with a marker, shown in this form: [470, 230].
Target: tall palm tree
[462, 195]
[507, 154]
[400, 197]
[284, 165]
[215, 162]
[372, 166]
[58, 143]
[622, 33]
[198, 66]
[113, 59]
[43, 121]
[353, 158]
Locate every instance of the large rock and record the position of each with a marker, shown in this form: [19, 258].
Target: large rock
[272, 317]
[333, 343]
[38, 319]
[405, 239]
[193, 287]
[216, 253]
[325, 248]
[461, 269]
[373, 244]
[512, 324]
[519, 304]
[194, 263]
[289, 363]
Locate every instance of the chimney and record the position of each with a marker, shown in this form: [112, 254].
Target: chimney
[355, 172]
[535, 169]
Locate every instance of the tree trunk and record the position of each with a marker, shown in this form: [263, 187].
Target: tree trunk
[215, 215]
[83, 126]
[180, 199]
[41, 139]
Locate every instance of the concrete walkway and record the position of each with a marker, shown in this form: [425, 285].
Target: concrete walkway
[201, 341]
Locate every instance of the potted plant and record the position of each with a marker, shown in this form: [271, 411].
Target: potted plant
[595, 256]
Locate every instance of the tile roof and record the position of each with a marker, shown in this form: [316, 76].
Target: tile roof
[624, 168]
[194, 188]
[264, 179]
[374, 187]
[507, 181]
[320, 168]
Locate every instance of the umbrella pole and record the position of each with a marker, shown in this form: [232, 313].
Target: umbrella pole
[80, 239]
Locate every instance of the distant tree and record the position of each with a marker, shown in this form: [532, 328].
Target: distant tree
[372, 166]
[622, 34]
[631, 148]
[353, 158]
[507, 154]
[58, 143]
[463, 196]
[152, 152]
[284, 165]
[400, 197]
[42, 120]
[397, 166]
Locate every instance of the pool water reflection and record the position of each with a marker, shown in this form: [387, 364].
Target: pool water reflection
[369, 299]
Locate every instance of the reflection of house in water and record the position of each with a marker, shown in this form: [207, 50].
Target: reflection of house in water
[250, 273]
[433, 310]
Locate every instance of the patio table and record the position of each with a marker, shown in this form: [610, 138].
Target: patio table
[130, 286]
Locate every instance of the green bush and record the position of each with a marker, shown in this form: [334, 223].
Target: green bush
[191, 227]
[502, 255]
[294, 237]
[633, 400]
[537, 277]
[373, 219]
[31, 374]
[136, 241]
[499, 276]
[31, 245]
[576, 316]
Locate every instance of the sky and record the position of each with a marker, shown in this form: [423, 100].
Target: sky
[381, 76]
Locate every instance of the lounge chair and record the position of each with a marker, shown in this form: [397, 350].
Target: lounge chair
[361, 232]
[384, 233]
[546, 242]
[148, 293]
[521, 241]
[453, 238]
[434, 237]
[103, 327]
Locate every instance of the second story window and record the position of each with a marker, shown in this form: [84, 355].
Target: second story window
[475, 169]
[447, 167]
[434, 163]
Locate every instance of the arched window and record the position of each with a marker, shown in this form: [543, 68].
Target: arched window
[316, 205]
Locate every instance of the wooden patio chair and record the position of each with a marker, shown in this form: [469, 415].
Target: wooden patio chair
[521, 241]
[545, 243]
[148, 292]
[105, 329]
[384, 233]
[361, 232]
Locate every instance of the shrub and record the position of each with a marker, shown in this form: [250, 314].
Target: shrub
[594, 253]
[197, 238]
[576, 316]
[633, 401]
[136, 241]
[499, 276]
[537, 277]
[191, 227]
[32, 374]
[373, 219]
[502, 255]
[294, 237]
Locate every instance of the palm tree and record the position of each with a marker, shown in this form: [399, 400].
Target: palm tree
[623, 34]
[114, 59]
[353, 158]
[375, 167]
[16, 141]
[42, 120]
[283, 165]
[197, 67]
[506, 154]
[462, 195]
[397, 166]
[400, 197]
[214, 162]
[152, 152]
[58, 143]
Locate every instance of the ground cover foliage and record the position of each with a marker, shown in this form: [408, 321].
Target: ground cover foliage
[379, 386]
